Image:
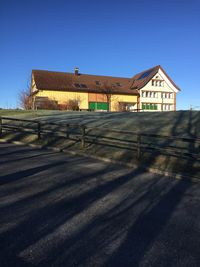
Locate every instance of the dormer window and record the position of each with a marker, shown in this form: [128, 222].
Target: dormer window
[118, 84]
[97, 82]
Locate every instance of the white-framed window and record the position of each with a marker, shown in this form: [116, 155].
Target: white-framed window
[164, 107]
[149, 94]
[159, 83]
[167, 95]
[167, 107]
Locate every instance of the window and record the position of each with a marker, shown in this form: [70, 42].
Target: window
[118, 84]
[77, 85]
[159, 83]
[83, 85]
[167, 107]
[80, 85]
[149, 94]
[167, 95]
[151, 106]
[97, 82]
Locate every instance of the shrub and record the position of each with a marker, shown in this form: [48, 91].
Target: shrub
[45, 103]
[71, 104]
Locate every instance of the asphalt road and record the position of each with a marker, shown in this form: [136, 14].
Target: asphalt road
[61, 210]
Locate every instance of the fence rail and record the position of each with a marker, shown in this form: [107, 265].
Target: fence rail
[140, 142]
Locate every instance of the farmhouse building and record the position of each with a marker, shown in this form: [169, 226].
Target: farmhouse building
[150, 90]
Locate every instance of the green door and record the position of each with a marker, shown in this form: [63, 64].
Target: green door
[98, 106]
[92, 105]
[102, 106]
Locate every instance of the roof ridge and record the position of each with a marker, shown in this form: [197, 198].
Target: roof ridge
[85, 74]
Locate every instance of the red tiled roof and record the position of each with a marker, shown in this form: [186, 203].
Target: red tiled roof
[63, 81]
[142, 78]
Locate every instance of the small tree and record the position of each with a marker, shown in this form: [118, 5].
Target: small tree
[25, 100]
[25, 96]
[48, 104]
[107, 90]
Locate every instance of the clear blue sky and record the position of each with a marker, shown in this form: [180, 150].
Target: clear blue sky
[105, 37]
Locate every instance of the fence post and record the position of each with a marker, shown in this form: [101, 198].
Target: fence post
[39, 130]
[83, 137]
[138, 146]
[1, 127]
[67, 131]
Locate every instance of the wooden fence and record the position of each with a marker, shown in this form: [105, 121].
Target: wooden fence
[140, 142]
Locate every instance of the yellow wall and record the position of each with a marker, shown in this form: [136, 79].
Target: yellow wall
[115, 99]
[63, 97]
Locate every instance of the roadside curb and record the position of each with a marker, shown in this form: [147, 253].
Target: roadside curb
[130, 165]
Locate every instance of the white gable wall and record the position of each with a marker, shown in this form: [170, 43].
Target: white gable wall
[158, 98]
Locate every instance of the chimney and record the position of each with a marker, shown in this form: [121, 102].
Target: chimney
[76, 71]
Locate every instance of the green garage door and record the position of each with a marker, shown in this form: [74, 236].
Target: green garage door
[102, 106]
[98, 105]
[92, 105]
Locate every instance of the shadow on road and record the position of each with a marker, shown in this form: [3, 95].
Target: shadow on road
[59, 210]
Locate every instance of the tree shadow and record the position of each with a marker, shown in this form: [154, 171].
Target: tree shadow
[51, 215]
[146, 229]
[13, 177]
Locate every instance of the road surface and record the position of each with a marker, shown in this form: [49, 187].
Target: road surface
[63, 210]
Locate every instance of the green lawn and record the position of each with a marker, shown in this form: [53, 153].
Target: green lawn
[180, 123]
